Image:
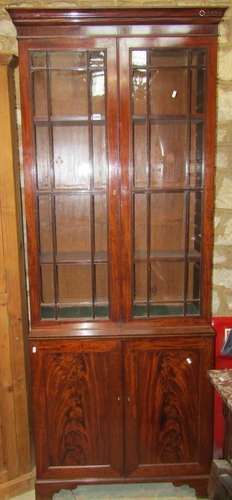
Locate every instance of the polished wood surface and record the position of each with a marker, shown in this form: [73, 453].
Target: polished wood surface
[15, 452]
[128, 394]
[80, 406]
[25, 17]
[163, 432]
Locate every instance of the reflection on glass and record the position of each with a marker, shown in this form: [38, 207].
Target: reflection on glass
[96, 59]
[71, 156]
[74, 283]
[168, 154]
[168, 92]
[139, 57]
[140, 222]
[73, 227]
[139, 92]
[167, 281]
[43, 157]
[140, 155]
[98, 95]
[167, 223]
[74, 100]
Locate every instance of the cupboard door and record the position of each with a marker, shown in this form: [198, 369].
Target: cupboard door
[168, 404]
[77, 408]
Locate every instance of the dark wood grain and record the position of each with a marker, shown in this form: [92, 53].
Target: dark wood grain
[78, 413]
[162, 415]
[25, 17]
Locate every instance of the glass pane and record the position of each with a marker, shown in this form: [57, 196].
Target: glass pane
[166, 310]
[195, 223]
[140, 225]
[96, 59]
[198, 57]
[98, 95]
[71, 156]
[197, 142]
[43, 157]
[45, 228]
[99, 156]
[38, 59]
[139, 92]
[196, 154]
[193, 309]
[167, 281]
[140, 155]
[48, 312]
[194, 278]
[139, 57]
[197, 90]
[69, 95]
[47, 288]
[101, 271]
[40, 94]
[73, 227]
[166, 57]
[67, 59]
[74, 283]
[75, 312]
[167, 223]
[140, 282]
[168, 92]
[100, 217]
[168, 154]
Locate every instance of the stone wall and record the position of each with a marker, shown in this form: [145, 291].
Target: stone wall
[222, 272]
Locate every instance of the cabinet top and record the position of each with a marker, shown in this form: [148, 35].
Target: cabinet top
[62, 17]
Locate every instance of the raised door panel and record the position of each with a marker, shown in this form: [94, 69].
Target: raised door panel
[77, 408]
[168, 425]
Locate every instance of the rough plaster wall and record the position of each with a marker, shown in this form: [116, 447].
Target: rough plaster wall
[222, 273]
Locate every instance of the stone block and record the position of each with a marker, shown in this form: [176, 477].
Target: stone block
[224, 104]
[225, 64]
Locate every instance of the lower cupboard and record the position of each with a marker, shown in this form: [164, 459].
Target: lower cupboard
[122, 410]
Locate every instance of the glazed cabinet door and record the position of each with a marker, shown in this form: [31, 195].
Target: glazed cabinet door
[77, 411]
[168, 423]
[166, 174]
[71, 179]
